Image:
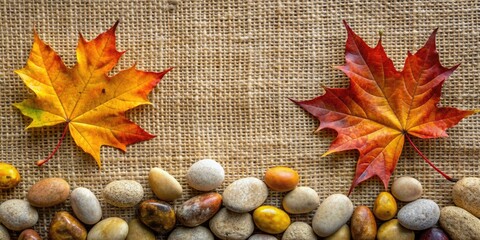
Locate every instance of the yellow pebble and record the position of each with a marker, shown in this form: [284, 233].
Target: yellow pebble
[9, 176]
[385, 206]
[271, 219]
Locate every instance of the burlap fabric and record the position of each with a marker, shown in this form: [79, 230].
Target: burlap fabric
[236, 64]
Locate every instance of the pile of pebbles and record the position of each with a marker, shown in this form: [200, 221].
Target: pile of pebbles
[240, 210]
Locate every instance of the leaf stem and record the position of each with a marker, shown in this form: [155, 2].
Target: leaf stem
[428, 161]
[41, 162]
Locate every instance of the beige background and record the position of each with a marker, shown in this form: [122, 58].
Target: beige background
[236, 63]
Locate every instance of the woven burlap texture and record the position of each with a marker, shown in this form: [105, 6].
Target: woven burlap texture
[236, 64]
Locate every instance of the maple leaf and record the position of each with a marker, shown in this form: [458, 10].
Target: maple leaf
[91, 103]
[382, 106]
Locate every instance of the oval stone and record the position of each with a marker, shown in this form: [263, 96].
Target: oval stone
[260, 236]
[434, 234]
[157, 215]
[459, 223]
[137, 230]
[341, 234]
[244, 195]
[385, 206]
[281, 179]
[363, 224]
[4, 233]
[17, 215]
[419, 214]
[407, 189]
[86, 206]
[196, 233]
[48, 192]
[123, 193]
[332, 214]
[231, 225]
[28, 234]
[205, 175]
[299, 230]
[66, 226]
[9, 176]
[199, 209]
[271, 219]
[466, 194]
[301, 200]
[164, 185]
[393, 230]
[112, 228]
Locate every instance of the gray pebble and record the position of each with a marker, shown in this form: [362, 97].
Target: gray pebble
[231, 225]
[299, 230]
[332, 214]
[196, 233]
[4, 233]
[86, 206]
[419, 214]
[244, 195]
[17, 215]
[260, 236]
[301, 200]
[123, 193]
[205, 175]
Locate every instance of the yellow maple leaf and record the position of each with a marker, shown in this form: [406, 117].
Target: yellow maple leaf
[91, 103]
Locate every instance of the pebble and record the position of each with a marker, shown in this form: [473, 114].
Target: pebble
[17, 215]
[341, 234]
[299, 230]
[164, 185]
[231, 225]
[260, 236]
[271, 219]
[363, 224]
[434, 234]
[4, 233]
[393, 230]
[48, 192]
[205, 175]
[301, 200]
[332, 214]
[281, 179]
[466, 194]
[137, 230]
[385, 206]
[407, 189]
[157, 215]
[28, 234]
[66, 226]
[86, 206]
[244, 195]
[459, 223]
[199, 209]
[9, 176]
[112, 228]
[419, 214]
[123, 193]
[196, 233]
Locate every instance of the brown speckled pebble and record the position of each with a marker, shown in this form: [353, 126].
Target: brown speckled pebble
[48, 192]
[157, 215]
[123, 193]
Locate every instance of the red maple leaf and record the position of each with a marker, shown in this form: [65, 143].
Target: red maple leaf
[382, 106]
